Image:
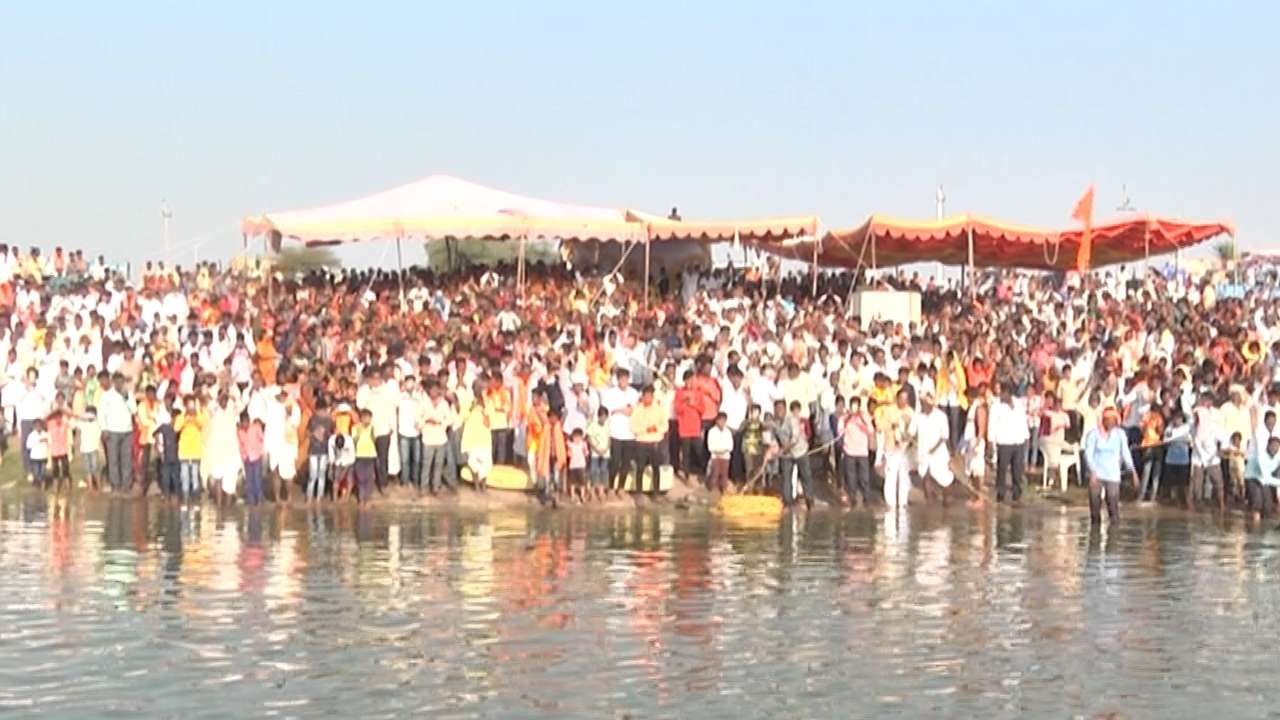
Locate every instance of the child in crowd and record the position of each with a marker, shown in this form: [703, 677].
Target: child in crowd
[720, 447]
[578, 452]
[90, 445]
[598, 444]
[249, 434]
[59, 449]
[166, 451]
[753, 446]
[38, 451]
[189, 427]
[342, 458]
[1233, 484]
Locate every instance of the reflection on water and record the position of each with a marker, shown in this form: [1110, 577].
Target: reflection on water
[115, 607]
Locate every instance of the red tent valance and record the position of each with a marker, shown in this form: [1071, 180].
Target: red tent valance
[884, 242]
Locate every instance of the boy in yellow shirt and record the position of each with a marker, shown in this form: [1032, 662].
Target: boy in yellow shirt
[366, 456]
[189, 427]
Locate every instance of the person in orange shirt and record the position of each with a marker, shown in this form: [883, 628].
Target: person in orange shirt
[497, 408]
[1151, 452]
[978, 372]
[550, 463]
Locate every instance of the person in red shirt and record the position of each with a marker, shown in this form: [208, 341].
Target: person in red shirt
[688, 409]
[709, 395]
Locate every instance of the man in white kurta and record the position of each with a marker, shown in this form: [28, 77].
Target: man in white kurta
[931, 431]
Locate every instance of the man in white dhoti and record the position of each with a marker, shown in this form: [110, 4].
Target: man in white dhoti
[893, 421]
[932, 432]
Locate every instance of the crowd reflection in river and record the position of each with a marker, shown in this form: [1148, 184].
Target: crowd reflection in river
[531, 611]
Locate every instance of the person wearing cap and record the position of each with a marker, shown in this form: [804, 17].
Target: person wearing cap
[1106, 451]
[931, 430]
[649, 425]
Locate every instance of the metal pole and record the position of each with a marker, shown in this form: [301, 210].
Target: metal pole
[266, 266]
[1146, 240]
[400, 269]
[942, 211]
[1235, 257]
[971, 279]
[165, 216]
[520, 267]
[817, 243]
[646, 272]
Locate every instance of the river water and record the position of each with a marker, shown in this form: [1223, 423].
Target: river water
[115, 608]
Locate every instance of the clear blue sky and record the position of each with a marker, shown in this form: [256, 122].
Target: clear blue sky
[231, 108]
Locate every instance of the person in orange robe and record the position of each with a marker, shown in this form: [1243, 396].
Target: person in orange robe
[268, 358]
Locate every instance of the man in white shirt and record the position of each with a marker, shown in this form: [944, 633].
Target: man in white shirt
[32, 404]
[408, 416]
[1009, 430]
[436, 417]
[764, 389]
[380, 398]
[733, 403]
[115, 413]
[620, 399]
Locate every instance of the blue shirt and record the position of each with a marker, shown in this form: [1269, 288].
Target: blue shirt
[1107, 455]
[1178, 440]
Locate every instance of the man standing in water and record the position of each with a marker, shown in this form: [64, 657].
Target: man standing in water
[931, 430]
[1009, 430]
[1106, 451]
[894, 421]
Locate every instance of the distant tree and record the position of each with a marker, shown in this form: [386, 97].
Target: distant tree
[302, 260]
[445, 255]
[1226, 251]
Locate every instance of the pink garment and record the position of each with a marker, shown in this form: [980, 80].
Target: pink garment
[857, 436]
[577, 454]
[58, 440]
[250, 442]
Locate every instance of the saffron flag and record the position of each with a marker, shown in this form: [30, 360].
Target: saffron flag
[1084, 213]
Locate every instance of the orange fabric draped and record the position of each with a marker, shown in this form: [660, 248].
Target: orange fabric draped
[1084, 213]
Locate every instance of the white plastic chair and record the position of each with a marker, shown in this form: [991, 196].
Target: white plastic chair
[1059, 457]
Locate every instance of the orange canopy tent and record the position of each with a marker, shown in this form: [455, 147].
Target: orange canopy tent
[884, 241]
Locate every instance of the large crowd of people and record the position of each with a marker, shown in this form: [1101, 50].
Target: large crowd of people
[228, 385]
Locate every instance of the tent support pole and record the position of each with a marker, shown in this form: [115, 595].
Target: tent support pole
[972, 284]
[520, 268]
[1235, 257]
[874, 266]
[1146, 241]
[646, 273]
[853, 281]
[400, 269]
[266, 267]
[817, 244]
